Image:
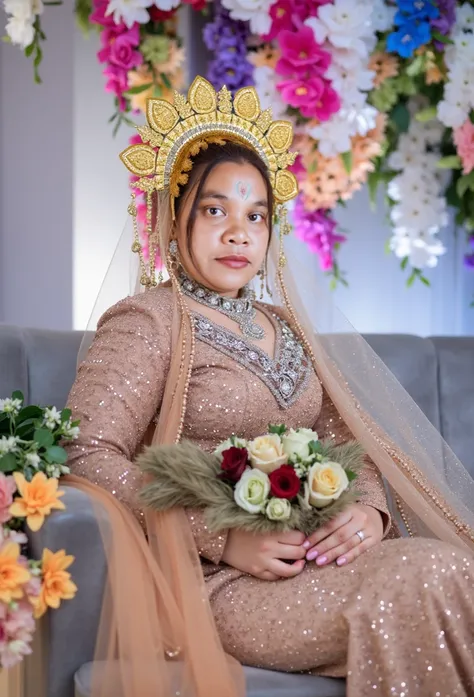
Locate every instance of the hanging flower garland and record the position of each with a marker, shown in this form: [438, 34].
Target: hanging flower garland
[379, 92]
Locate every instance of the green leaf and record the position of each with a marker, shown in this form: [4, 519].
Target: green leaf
[411, 279]
[464, 183]
[113, 117]
[18, 395]
[373, 181]
[351, 475]
[401, 117]
[427, 114]
[27, 413]
[166, 80]
[424, 280]
[6, 40]
[56, 455]
[441, 37]
[8, 463]
[333, 284]
[315, 447]
[65, 415]
[29, 50]
[416, 66]
[280, 429]
[449, 162]
[138, 89]
[43, 437]
[347, 160]
[404, 263]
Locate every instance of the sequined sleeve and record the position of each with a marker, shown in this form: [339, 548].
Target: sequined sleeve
[369, 482]
[209, 545]
[117, 393]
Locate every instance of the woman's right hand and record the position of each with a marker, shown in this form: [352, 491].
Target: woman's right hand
[262, 555]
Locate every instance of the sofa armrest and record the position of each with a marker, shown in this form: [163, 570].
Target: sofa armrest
[71, 630]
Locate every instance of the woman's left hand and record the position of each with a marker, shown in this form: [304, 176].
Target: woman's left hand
[339, 540]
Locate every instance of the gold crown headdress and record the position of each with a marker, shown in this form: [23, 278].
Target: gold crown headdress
[176, 132]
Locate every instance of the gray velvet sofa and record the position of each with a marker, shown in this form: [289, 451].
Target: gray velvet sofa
[437, 372]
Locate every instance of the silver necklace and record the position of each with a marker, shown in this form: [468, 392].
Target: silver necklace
[240, 310]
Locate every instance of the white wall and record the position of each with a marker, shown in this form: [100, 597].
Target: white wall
[64, 196]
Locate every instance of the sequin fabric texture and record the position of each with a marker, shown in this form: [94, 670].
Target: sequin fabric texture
[399, 621]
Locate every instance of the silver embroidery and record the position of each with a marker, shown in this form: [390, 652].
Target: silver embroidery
[286, 376]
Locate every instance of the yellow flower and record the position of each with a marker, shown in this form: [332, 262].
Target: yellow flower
[326, 482]
[37, 499]
[266, 453]
[57, 584]
[12, 574]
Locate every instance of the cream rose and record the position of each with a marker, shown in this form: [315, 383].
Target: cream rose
[266, 453]
[232, 442]
[278, 509]
[326, 482]
[297, 442]
[251, 492]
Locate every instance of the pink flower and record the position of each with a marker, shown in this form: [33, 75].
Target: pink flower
[282, 14]
[123, 55]
[301, 54]
[316, 229]
[298, 168]
[109, 36]
[196, 4]
[7, 489]
[117, 83]
[16, 632]
[314, 97]
[98, 16]
[464, 141]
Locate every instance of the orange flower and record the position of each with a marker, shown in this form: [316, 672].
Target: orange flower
[384, 66]
[175, 60]
[12, 574]
[56, 585]
[37, 499]
[144, 76]
[265, 56]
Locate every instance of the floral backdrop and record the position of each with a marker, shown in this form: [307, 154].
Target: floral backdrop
[379, 93]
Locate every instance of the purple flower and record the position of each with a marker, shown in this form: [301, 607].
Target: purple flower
[469, 261]
[316, 229]
[228, 40]
[445, 20]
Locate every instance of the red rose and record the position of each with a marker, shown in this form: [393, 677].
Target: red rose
[234, 462]
[157, 15]
[285, 483]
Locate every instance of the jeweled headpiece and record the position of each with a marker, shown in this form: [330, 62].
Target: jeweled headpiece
[176, 132]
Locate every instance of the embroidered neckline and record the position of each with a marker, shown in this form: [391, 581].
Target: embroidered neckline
[286, 375]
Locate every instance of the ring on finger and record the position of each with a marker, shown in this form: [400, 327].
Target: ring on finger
[360, 535]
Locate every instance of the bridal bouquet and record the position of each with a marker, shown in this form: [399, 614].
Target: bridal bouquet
[286, 479]
[31, 461]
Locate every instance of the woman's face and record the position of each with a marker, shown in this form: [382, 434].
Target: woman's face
[231, 231]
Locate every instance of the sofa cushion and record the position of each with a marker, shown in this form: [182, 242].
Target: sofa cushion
[260, 683]
[456, 394]
[13, 362]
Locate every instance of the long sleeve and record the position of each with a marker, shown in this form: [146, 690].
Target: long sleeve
[210, 545]
[330, 425]
[118, 391]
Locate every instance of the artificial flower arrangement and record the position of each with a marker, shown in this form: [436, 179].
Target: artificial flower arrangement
[284, 480]
[378, 91]
[31, 462]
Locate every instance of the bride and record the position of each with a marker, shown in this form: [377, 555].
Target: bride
[199, 358]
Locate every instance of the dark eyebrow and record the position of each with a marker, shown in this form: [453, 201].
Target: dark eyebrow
[221, 197]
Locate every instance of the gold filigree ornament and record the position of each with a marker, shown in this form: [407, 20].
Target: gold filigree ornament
[176, 132]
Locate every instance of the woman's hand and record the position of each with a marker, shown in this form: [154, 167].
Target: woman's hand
[339, 540]
[262, 555]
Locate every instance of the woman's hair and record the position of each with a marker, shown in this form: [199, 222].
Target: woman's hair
[203, 164]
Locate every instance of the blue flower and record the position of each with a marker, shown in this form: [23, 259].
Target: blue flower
[415, 9]
[409, 37]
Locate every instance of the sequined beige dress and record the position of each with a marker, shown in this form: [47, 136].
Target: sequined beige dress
[398, 621]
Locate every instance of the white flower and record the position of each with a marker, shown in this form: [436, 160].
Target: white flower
[349, 79]
[251, 491]
[10, 406]
[326, 482]
[64, 469]
[33, 459]
[266, 453]
[131, 11]
[342, 24]
[464, 17]
[382, 15]
[232, 442]
[51, 418]
[265, 83]
[23, 9]
[296, 443]
[8, 444]
[278, 509]
[333, 136]
[452, 115]
[72, 432]
[256, 12]
[53, 471]
[422, 251]
[21, 32]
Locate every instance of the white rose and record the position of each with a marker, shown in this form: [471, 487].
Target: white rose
[266, 453]
[252, 490]
[278, 509]
[297, 442]
[232, 442]
[326, 482]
